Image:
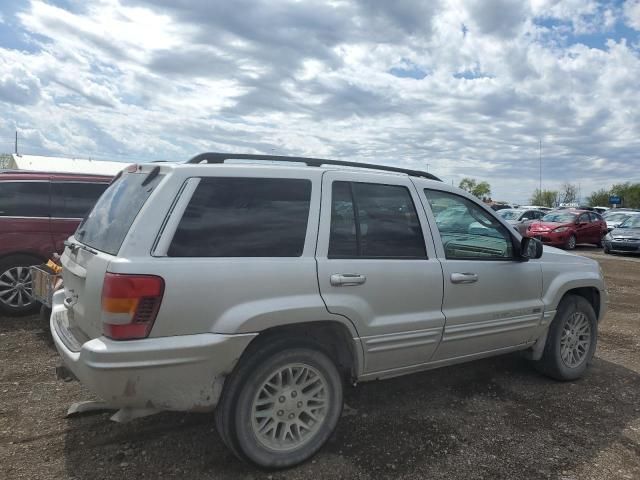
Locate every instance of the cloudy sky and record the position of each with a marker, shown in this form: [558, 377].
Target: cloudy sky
[461, 88]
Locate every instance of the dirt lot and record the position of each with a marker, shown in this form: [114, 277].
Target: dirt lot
[490, 419]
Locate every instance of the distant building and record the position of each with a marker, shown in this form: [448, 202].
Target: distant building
[61, 165]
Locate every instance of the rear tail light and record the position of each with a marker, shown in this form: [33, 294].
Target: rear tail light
[130, 304]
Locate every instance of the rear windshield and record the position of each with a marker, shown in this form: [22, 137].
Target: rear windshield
[108, 223]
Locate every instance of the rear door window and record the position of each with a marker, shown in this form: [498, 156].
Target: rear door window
[74, 199]
[244, 217]
[108, 223]
[24, 199]
[371, 220]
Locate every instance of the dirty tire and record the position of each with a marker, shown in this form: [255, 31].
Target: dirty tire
[9, 264]
[570, 244]
[552, 363]
[235, 413]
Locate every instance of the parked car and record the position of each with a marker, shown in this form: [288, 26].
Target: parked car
[38, 211]
[535, 207]
[516, 216]
[567, 228]
[615, 219]
[601, 210]
[501, 206]
[260, 290]
[625, 238]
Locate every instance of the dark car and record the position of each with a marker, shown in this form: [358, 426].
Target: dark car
[38, 212]
[567, 228]
[625, 237]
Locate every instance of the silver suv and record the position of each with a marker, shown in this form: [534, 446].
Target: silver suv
[259, 289]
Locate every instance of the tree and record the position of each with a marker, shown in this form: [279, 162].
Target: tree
[480, 190]
[544, 198]
[569, 193]
[599, 198]
[629, 192]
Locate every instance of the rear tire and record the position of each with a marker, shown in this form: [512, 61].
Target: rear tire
[281, 404]
[15, 286]
[571, 342]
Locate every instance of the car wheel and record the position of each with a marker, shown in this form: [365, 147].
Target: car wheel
[607, 249]
[570, 244]
[571, 342]
[281, 405]
[601, 242]
[16, 287]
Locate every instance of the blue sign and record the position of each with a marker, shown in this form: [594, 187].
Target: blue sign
[615, 200]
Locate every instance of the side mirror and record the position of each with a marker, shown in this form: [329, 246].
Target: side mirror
[530, 248]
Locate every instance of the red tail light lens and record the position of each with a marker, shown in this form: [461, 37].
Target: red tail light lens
[130, 304]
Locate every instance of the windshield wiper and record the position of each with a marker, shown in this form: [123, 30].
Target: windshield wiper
[74, 247]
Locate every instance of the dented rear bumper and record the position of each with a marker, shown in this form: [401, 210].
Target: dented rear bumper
[183, 373]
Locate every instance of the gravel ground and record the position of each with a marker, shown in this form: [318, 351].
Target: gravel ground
[489, 419]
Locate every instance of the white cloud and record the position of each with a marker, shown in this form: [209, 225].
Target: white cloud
[154, 79]
[632, 13]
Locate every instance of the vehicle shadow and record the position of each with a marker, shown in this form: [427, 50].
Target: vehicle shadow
[495, 418]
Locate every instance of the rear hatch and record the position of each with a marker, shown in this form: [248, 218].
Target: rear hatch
[96, 243]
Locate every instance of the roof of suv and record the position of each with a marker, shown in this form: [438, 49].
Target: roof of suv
[6, 175]
[220, 158]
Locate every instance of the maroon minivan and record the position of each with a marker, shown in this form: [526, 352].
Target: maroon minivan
[38, 212]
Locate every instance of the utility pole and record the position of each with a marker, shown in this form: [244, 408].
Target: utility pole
[16, 142]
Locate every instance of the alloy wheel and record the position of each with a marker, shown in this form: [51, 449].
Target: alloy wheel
[575, 340]
[290, 407]
[16, 288]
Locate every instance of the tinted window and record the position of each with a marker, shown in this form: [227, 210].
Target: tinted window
[108, 223]
[383, 224]
[343, 240]
[584, 218]
[244, 217]
[595, 217]
[74, 199]
[467, 231]
[24, 199]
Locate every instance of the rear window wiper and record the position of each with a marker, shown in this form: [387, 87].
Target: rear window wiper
[74, 247]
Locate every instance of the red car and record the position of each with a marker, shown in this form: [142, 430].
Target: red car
[38, 212]
[567, 228]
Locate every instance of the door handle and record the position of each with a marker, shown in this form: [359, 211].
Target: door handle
[347, 279]
[464, 277]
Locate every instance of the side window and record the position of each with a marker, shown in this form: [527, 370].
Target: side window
[594, 217]
[24, 199]
[528, 215]
[371, 220]
[74, 199]
[538, 215]
[466, 230]
[584, 218]
[244, 217]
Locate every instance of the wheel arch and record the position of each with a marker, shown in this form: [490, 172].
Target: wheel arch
[332, 337]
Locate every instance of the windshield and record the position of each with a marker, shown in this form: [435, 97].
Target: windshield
[617, 217]
[108, 223]
[560, 217]
[510, 214]
[632, 222]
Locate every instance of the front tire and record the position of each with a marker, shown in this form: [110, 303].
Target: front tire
[571, 342]
[570, 244]
[281, 405]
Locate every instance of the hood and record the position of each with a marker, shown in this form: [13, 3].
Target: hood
[547, 226]
[625, 232]
[558, 256]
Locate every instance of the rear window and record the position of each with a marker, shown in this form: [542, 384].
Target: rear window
[244, 217]
[74, 199]
[108, 223]
[24, 199]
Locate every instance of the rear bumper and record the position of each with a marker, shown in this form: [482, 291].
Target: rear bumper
[183, 373]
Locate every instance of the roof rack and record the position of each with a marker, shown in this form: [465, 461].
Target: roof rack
[214, 157]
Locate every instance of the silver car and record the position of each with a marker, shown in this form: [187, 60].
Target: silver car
[260, 290]
[625, 238]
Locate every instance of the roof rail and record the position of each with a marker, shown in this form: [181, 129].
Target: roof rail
[214, 157]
